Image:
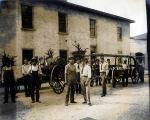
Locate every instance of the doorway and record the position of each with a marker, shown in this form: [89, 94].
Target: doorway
[27, 54]
[63, 54]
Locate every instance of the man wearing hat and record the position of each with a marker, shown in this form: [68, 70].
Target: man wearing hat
[35, 70]
[70, 80]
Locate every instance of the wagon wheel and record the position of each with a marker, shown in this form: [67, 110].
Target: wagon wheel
[57, 78]
[135, 76]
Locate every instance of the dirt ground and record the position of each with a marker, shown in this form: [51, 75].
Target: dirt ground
[121, 103]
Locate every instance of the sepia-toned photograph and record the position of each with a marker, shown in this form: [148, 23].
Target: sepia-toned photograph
[74, 59]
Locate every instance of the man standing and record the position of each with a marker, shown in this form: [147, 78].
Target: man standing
[9, 82]
[26, 78]
[103, 74]
[85, 73]
[35, 70]
[109, 75]
[125, 75]
[97, 72]
[78, 85]
[70, 80]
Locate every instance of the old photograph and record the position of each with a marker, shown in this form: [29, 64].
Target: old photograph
[74, 60]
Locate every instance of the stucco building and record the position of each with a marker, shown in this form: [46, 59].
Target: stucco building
[31, 27]
[138, 45]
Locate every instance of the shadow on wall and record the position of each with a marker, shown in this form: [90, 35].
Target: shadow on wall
[7, 22]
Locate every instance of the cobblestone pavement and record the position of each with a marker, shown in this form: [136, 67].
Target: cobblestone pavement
[128, 103]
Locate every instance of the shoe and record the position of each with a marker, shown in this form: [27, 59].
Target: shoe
[84, 102]
[103, 95]
[73, 102]
[33, 101]
[66, 104]
[89, 104]
[38, 101]
[5, 102]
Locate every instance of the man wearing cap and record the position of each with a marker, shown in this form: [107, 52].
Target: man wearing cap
[103, 74]
[70, 80]
[85, 73]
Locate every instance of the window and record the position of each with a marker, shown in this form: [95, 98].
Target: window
[26, 12]
[4, 6]
[119, 33]
[62, 19]
[92, 28]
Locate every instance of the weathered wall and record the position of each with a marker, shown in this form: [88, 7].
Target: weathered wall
[45, 34]
[8, 28]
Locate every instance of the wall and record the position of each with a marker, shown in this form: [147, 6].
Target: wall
[45, 34]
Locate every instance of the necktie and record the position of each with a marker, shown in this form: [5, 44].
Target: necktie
[78, 66]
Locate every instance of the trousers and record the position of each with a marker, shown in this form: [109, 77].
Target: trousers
[85, 89]
[70, 91]
[103, 76]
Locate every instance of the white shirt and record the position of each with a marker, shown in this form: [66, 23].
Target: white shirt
[25, 69]
[85, 71]
[103, 67]
[34, 68]
[77, 67]
[124, 66]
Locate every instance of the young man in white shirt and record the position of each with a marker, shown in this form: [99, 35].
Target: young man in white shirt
[125, 75]
[35, 70]
[85, 73]
[103, 74]
[26, 78]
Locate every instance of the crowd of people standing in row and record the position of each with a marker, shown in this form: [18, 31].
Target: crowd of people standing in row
[78, 74]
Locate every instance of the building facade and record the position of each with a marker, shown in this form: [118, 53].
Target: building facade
[29, 28]
[138, 45]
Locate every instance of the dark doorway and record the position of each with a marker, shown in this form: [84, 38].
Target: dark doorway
[27, 54]
[63, 54]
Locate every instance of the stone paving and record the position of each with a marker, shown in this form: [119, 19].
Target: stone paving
[128, 103]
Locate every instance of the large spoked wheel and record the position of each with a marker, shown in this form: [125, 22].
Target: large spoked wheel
[57, 78]
[135, 76]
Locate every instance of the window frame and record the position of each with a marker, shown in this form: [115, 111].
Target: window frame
[23, 26]
[93, 28]
[62, 23]
[119, 33]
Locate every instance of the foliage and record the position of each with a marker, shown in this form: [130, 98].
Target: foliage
[8, 60]
[79, 53]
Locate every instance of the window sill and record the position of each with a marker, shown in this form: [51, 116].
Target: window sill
[62, 33]
[27, 29]
[93, 36]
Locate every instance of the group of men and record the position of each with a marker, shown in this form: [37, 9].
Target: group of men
[78, 75]
[31, 81]
[78, 78]
[31, 72]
